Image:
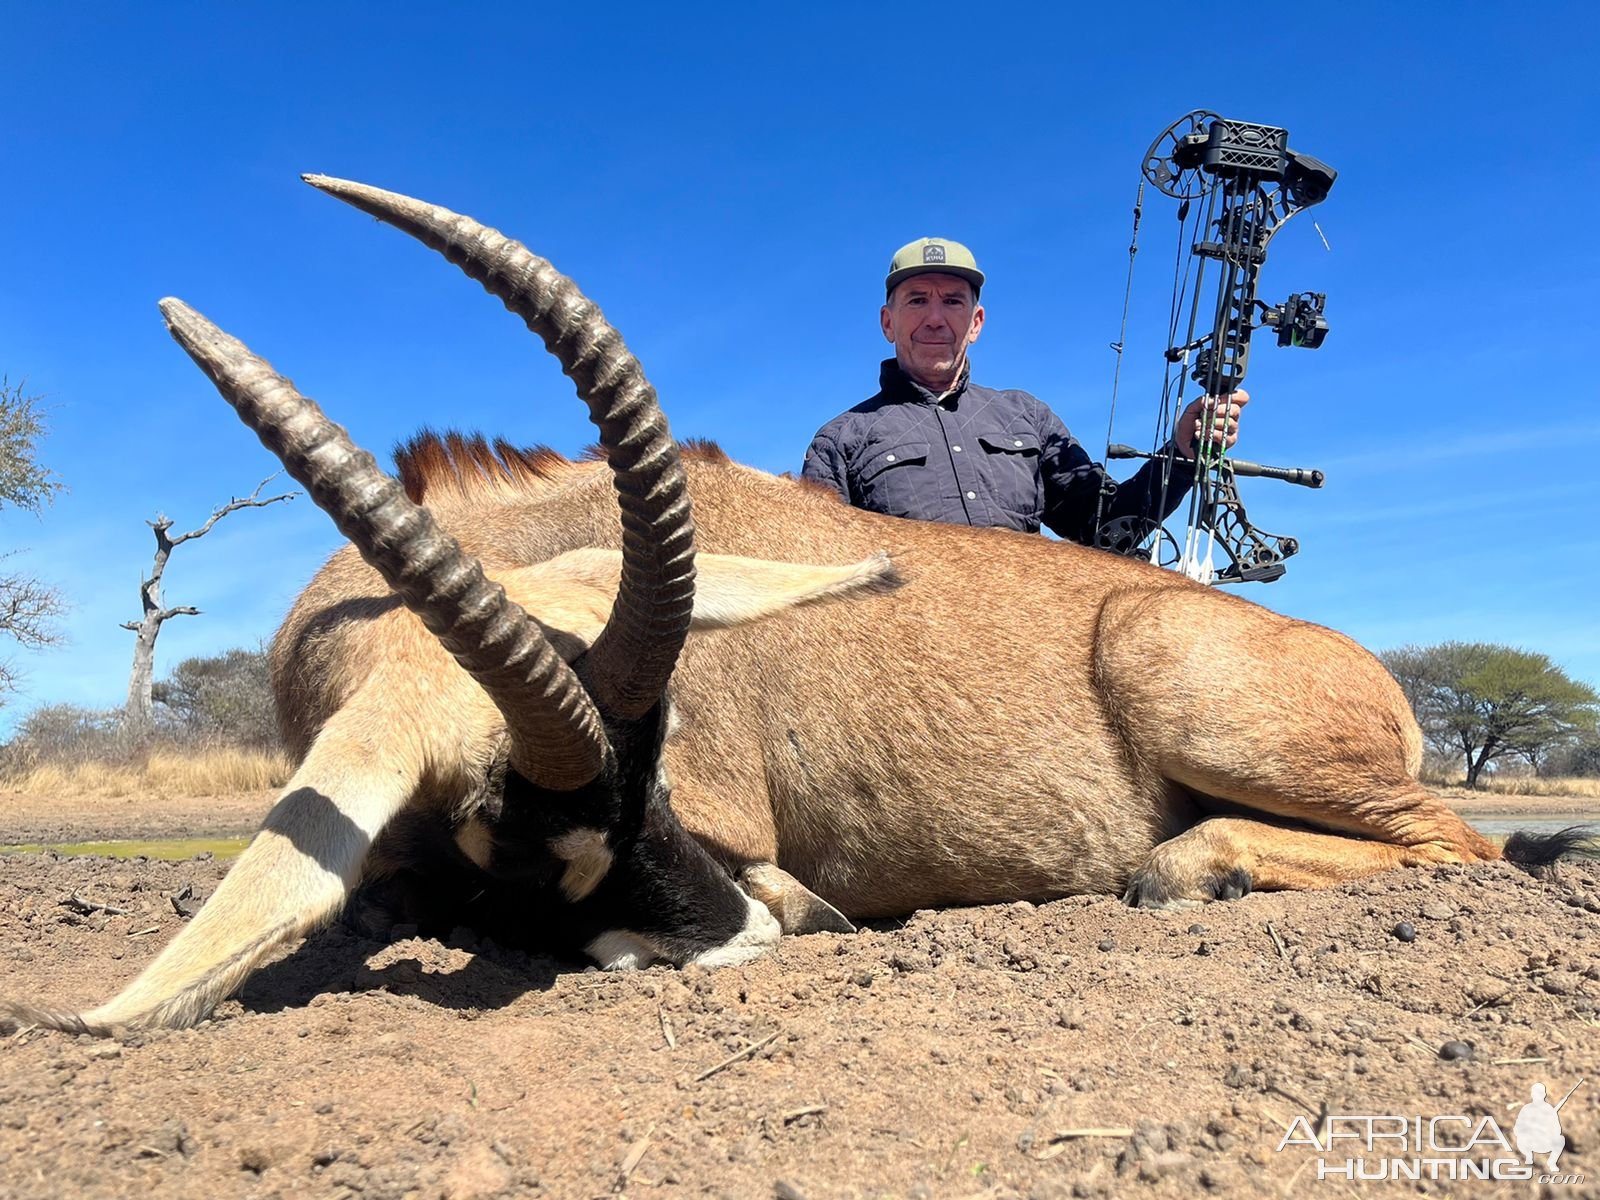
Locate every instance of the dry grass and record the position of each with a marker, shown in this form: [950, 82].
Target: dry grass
[1531, 785]
[163, 773]
[1519, 785]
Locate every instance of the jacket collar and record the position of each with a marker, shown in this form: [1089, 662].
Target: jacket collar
[899, 387]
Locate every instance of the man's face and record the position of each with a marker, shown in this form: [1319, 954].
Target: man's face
[932, 319]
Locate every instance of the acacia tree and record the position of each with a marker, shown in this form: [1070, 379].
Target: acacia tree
[140, 709]
[28, 607]
[1482, 702]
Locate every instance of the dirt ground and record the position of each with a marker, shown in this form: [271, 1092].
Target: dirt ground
[1076, 1048]
[55, 820]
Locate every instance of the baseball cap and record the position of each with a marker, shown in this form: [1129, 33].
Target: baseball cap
[928, 256]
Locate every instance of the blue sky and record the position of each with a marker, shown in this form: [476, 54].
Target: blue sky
[729, 183]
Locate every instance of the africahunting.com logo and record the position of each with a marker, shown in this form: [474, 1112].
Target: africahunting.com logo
[1351, 1146]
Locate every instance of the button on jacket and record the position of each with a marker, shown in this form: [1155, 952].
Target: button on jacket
[976, 457]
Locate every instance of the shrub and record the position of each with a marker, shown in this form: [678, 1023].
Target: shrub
[68, 735]
[222, 699]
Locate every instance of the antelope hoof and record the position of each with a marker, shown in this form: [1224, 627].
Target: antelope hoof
[1154, 888]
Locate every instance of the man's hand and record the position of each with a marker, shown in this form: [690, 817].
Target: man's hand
[1217, 415]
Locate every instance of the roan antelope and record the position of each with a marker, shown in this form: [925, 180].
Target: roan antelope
[1016, 719]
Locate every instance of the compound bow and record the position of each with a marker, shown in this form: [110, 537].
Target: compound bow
[1249, 183]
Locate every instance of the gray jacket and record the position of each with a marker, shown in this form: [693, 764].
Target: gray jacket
[977, 457]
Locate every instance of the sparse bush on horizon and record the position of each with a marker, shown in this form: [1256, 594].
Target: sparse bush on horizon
[1581, 761]
[215, 732]
[66, 735]
[1524, 783]
[1534, 785]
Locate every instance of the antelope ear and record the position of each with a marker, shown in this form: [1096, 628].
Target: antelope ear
[728, 590]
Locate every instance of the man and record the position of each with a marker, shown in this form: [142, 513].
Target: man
[934, 446]
[1538, 1128]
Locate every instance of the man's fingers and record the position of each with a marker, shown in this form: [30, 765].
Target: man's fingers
[1216, 420]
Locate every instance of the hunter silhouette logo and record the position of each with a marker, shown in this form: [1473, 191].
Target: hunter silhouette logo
[1538, 1127]
[933, 254]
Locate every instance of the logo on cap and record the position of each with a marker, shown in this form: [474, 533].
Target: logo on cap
[933, 254]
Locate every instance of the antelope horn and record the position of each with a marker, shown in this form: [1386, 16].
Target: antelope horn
[556, 736]
[629, 664]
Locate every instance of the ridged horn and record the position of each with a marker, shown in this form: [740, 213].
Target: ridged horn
[556, 736]
[629, 664]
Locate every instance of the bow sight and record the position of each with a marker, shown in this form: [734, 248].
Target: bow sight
[1249, 183]
[1299, 320]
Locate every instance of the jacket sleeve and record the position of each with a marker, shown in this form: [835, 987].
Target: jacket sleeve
[825, 465]
[1143, 495]
[1073, 482]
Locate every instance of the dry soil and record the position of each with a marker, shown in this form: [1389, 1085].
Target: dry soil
[1076, 1048]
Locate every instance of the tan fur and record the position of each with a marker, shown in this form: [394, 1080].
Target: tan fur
[1281, 859]
[588, 859]
[293, 876]
[475, 841]
[797, 907]
[1023, 718]
[728, 590]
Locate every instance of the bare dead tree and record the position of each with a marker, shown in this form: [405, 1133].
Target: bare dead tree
[140, 709]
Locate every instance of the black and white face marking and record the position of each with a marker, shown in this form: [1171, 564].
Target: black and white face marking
[588, 857]
[606, 870]
[625, 950]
